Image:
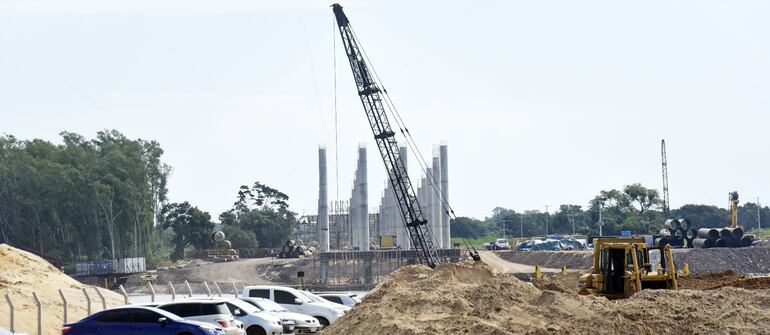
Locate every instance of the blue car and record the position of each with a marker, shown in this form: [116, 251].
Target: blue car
[130, 320]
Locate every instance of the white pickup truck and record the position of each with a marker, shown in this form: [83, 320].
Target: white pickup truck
[498, 244]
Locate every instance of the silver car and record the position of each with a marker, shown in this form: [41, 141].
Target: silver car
[303, 323]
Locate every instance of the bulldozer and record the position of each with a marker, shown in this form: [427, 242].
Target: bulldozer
[624, 266]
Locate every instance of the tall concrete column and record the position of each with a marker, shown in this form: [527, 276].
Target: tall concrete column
[438, 234]
[403, 235]
[443, 154]
[363, 189]
[427, 207]
[352, 219]
[322, 224]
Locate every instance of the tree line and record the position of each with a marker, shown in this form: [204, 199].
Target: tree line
[106, 198]
[633, 208]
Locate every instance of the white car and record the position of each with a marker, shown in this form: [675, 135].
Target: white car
[346, 299]
[502, 244]
[299, 302]
[303, 323]
[256, 321]
[212, 311]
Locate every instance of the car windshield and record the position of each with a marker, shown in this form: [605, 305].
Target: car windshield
[244, 306]
[269, 305]
[309, 297]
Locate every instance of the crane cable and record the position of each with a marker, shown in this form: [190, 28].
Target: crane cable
[407, 135]
[336, 122]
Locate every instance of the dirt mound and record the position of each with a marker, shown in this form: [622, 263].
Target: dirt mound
[567, 283]
[471, 299]
[21, 273]
[710, 281]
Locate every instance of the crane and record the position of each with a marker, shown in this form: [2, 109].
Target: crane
[665, 177]
[371, 96]
[733, 209]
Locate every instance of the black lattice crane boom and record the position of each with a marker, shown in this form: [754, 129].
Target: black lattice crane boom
[372, 99]
[665, 177]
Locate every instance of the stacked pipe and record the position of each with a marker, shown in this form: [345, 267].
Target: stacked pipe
[677, 233]
[722, 238]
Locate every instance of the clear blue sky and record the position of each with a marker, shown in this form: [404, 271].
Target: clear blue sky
[541, 102]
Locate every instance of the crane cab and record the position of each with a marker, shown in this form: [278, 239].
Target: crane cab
[624, 266]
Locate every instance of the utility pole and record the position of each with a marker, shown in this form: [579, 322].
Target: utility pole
[546, 221]
[521, 225]
[759, 217]
[600, 223]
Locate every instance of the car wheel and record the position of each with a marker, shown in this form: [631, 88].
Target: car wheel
[255, 330]
[322, 320]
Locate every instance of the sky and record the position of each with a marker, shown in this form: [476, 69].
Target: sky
[540, 102]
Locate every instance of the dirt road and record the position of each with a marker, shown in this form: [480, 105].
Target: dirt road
[500, 265]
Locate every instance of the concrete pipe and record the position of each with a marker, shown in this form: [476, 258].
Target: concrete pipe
[723, 243]
[746, 241]
[685, 224]
[676, 241]
[708, 233]
[678, 233]
[690, 233]
[725, 234]
[703, 243]
[660, 241]
[737, 233]
[672, 224]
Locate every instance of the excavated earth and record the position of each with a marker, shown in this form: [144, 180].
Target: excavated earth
[471, 299]
[753, 260]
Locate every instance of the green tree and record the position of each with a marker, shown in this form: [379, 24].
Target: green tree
[262, 211]
[191, 227]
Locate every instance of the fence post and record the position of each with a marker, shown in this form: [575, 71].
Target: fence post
[125, 294]
[235, 290]
[173, 291]
[152, 292]
[39, 313]
[189, 289]
[101, 297]
[88, 301]
[10, 310]
[64, 301]
[208, 290]
[218, 290]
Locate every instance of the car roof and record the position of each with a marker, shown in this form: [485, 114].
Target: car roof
[149, 308]
[195, 301]
[270, 287]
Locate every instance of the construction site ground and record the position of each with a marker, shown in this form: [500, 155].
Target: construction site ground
[753, 260]
[477, 299]
[465, 298]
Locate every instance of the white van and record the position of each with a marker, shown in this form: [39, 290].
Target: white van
[298, 302]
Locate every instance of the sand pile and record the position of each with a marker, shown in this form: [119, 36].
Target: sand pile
[710, 281]
[471, 299]
[22, 272]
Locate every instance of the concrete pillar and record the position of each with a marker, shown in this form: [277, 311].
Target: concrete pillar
[322, 224]
[352, 219]
[436, 207]
[363, 189]
[427, 204]
[443, 154]
[403, 235]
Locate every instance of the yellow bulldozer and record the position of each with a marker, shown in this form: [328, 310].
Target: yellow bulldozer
[624, 266]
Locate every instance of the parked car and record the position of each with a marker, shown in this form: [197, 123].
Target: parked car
[4, 331]
[129, 320]
[525, 246]
[549, 245]
[346, 299]
[303, 323]
[257, 322]
[204, 310]
[498, 244]
[299, 302]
